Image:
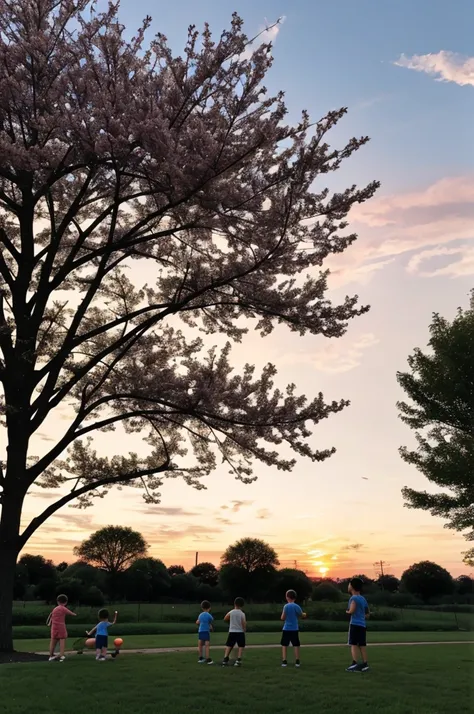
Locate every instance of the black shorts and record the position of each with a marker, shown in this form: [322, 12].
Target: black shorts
[357, 636]
[236, 638]
[290, 637]
[101, 641]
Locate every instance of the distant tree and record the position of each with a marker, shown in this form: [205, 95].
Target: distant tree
[184, 587]
[37, 568]
[87, 574]
[206, 573]
[176, 570]
[250, 554]
[113, 548]
[427, 580]
[441, 411]
[93, 597]
[328, 592]
[61, 567]
[291, 579]
[388, 583]
[464, 585]
[147, 579]
[73, 588]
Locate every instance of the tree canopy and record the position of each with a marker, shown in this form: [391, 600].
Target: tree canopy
[440, 387]
[250, 554]
[427, 580]
[148, 200]
[113, 548]
[206, 573]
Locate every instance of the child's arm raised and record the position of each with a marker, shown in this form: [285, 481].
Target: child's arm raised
[70, 612]
[115, 618]
[91, 632]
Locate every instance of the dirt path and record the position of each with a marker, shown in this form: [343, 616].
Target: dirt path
[168, 650]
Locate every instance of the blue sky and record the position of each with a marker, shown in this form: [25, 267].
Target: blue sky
[415, 255]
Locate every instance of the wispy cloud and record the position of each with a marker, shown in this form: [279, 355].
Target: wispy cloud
[462, 265]
[166, 511]
[236, 506]
[263, 514]
[396, 224]
[334, 357]
[267, 33]
[445, 66]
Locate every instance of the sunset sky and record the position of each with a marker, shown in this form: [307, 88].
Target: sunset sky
[403, 69]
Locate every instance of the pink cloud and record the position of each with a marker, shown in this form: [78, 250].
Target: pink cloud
[390, 226]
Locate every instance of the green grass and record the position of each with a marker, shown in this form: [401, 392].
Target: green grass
[403, 680]
[259, 638]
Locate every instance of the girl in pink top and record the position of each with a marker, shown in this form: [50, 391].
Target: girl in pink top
[57, 622]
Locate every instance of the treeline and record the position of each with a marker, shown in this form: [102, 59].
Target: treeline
[249, 568]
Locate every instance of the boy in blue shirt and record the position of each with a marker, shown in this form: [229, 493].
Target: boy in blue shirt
[102, 634]
[205, 621]
[359, 611]
[290, 635]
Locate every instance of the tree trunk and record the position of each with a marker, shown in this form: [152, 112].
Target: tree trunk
[8, 559]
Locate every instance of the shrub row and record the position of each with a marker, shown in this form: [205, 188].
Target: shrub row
[124, 629]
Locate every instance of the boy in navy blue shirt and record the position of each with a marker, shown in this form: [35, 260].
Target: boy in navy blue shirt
[290, 635]
[359, 611]
[205, 621]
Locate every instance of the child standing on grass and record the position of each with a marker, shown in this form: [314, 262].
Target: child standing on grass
[102, 634]
[237, 629]
[57, 622]
[358, 610]
[204, 622]
[291, 635]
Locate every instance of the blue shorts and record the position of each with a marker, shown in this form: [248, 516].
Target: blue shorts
[101, 641]
[204, 636]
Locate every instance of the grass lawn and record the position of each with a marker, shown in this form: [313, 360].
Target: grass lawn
[258, 638]
[403, 680]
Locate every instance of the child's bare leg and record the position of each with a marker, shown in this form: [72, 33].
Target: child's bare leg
[363, 651]
[62, 647]
[200, 649]
[52, 646]
[227, 652]
[297, 652]
[240, 652]
[104, 651]
[355, 653]
[208, 650]
[97, 652]
[284, 651]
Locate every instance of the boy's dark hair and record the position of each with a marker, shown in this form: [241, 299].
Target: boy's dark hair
[103, 614]
[61, 599]
[357, 584]
[239, 602]
[291, 594]
[205, 605]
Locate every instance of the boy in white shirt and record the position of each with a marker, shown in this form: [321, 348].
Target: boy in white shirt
[237, 628]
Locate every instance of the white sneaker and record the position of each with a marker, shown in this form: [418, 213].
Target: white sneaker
[52, 659]
[61, 659]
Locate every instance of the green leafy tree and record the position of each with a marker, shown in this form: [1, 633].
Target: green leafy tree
[206, 573]
[113, 548]
[388, 583]
[291, 579]
[250, 554]
[440, 387]
[176, 570]
[427, 580]
[120, 161]
[327, 592]
[147, 579]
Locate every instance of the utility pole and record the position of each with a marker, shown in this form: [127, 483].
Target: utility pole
[380, 568]
[197, 558]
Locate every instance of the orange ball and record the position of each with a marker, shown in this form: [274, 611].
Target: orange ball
[118, 642]
[90, 643]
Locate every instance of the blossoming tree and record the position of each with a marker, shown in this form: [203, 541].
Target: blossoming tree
[116, 157]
